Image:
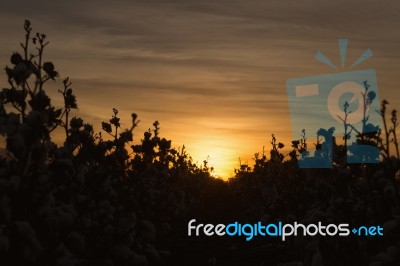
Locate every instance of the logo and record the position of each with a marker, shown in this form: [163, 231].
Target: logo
[280, 230]
[340, 106]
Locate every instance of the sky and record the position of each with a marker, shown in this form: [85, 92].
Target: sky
[213, 73]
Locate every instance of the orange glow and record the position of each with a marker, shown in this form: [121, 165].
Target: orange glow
[219, 154]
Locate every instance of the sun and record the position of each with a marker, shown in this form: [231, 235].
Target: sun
[219, 155]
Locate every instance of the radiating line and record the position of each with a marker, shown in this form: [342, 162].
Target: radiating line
[343, 50]
[322, 58]
[367, 54]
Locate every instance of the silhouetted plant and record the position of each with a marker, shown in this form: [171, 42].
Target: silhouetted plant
[393, 130]
[385, 147]
[88, 201]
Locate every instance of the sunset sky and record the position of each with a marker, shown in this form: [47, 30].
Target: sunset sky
[213, 73]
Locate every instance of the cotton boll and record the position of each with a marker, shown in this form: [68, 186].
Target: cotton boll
[35, 244]
[5, 208]
[80, 178]
[66, 214]
[62, 251]
[70, 209]
[121, 252]
[108, 263]
[86, 222]
[75, 242]
[152, 255]
[166, 228]
[389, 191]
[166, 253]
[295, 263]
[25, 230]
[362, 185]
[379, 173]
[81, 198]
[132, 218]
[338, 202]
[19, 71]
[16, 58]
[125, 255]
[13, 120]
[34, 119]
[64, 164]
[139, 260]
[109, 231]
[43, 179]
[389, 227]
[128, 239]
[28, 253]
[105, 212]
[3, 173]
[52, 221]
[384, 258]
[148, 231]
[66, 219]
[14, 182]
[67, 261]
[22, 72]
[123, 227]
[45, 211]
[16, 145]
[50, 199]
[3, 184]
[382, 182]
[393, 251]
[32, 245]
[317, 259]
[4, 242]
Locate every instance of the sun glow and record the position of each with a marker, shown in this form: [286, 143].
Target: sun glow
[218, 154]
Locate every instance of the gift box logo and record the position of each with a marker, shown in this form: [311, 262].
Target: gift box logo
[341, 106]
